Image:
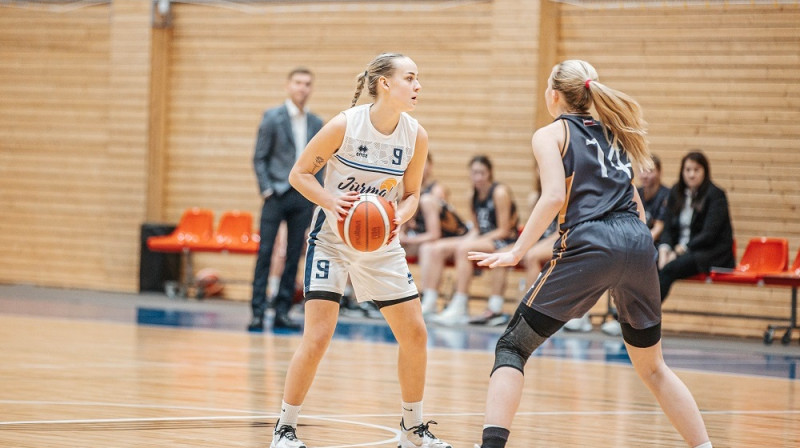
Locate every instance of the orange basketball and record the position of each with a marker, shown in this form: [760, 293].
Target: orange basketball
[369, 223]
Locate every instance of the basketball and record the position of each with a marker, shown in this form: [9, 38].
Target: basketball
[208, 283]
[369, 223]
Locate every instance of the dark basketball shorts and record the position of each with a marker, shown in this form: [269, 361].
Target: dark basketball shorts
[615, 253]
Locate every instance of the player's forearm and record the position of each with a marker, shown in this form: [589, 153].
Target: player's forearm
[542, 215]
[309, 186]
[407, 207]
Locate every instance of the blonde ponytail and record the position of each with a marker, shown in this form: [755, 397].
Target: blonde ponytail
[360, 80]
[620, 114]
[382, 65]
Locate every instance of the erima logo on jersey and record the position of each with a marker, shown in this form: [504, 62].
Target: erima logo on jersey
[361, 151]
[350, 184]
[410, 281]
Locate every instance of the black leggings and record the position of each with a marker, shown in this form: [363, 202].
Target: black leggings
[684, 266]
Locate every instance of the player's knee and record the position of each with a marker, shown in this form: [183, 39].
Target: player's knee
[641, 338]
[417, 335]
[517, 344]
[462, 251]
[316, 341]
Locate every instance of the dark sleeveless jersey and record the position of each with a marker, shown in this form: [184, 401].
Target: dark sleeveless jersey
[598, 176]
[451, 223]
[486, 212]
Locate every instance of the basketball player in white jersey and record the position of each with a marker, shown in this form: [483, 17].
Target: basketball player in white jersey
[373, 148]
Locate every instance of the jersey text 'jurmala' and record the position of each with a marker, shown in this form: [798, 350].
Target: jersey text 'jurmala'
[368, 161]
[599, 177]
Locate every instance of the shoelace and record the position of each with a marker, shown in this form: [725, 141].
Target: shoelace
[288, 432]
[422, 429]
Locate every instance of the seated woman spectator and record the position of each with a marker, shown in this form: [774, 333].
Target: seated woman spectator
[495, 226]
[654, 198]
[434, 219]
[697, 226]
[542, 250]
[541, 253]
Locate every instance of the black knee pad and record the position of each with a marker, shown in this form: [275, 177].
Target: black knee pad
[517, 344]
[641, 338]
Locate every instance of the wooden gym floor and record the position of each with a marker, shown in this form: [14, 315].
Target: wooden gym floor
[83, 368]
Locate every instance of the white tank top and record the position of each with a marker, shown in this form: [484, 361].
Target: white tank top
[368, 161]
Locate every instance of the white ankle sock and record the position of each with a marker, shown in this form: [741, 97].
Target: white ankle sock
[496, 303]
[704, 445]
[289, 414]
[412, 414]
[429, 297]
[459, 301]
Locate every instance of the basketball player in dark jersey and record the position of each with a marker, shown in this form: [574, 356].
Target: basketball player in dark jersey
[586, 171]
[435, 217]
[494, 215]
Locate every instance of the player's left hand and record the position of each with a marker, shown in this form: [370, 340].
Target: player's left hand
[398, 220]
[493, 260]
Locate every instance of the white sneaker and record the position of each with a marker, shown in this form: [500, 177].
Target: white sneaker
[429, 306]
[581, 324]
[611, 328]
[420, 437]
[454, 314]
[490, 319]
[285, 437]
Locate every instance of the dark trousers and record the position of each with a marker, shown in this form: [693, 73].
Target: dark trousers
[684, 266]
[296, 210]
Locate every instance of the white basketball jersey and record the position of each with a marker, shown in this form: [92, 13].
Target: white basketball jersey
[368, 161]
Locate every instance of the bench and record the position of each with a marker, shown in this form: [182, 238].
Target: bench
[195, 233]
[764, 263]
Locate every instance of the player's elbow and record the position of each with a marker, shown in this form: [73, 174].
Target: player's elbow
[295, 178]
[554, 199]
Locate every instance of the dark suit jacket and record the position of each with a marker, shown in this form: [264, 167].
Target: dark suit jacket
[711, 233]
[275, 152]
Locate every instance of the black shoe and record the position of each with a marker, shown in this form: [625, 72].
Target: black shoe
[256, 324]
[283, 321]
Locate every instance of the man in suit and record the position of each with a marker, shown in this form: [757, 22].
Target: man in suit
[282, 135]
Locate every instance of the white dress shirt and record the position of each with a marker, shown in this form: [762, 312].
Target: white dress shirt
[685, 219]
[299, 127]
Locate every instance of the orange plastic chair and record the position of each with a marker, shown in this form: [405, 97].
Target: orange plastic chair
[762, 256]
[789, 278]
[234, 234]
[196, 226]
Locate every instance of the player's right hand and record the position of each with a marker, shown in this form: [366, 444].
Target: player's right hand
[344, 203]
[493, 260]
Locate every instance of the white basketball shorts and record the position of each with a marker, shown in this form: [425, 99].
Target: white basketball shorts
[381, 276]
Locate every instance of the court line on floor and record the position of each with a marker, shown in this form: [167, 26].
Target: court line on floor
[260, 415]
[336, 419]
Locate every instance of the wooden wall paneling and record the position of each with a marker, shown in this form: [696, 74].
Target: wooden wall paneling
[128, 148]
[53, 136]
[161, 40]
[514, 96]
